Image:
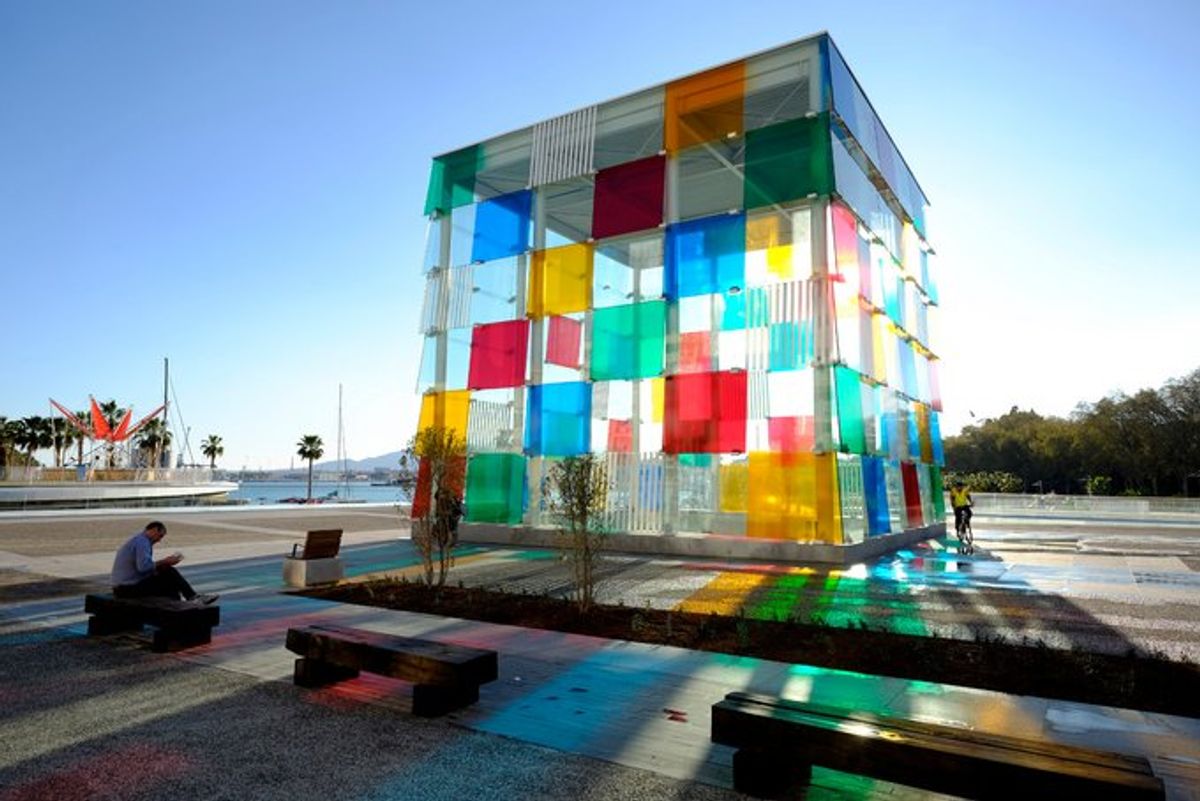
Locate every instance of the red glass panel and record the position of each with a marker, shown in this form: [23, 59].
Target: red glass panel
[563, 339]
[629, 197]
[498, 355]
[620, 436]
[695, 352]
[705, 413]
[912, 494]
[790, 434]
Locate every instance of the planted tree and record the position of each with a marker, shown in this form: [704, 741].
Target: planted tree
[63, 435]
[437, 502]
[575, 492]
[33, 435]
[153, 439]
[310, 448]
[212, 448]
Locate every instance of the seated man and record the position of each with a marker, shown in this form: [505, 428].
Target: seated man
[135, 574]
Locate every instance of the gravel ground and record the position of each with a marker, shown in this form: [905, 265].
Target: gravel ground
[106, 720]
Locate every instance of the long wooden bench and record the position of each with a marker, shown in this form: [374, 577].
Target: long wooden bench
[445, 677]
[778, 741]
[177, 624]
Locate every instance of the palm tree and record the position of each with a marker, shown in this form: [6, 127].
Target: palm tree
[154, 437]
[35, 435]
[8, 432]
[212, 448]
[63, 436]
[86, 419]
[311, 448]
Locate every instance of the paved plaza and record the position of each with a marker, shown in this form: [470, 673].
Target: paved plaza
[570, 715]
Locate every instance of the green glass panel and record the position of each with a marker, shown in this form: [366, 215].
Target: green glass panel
[495, 488]
[849, 410]
[939, 492]
[788, 161]
[452, 180]
[628, 341]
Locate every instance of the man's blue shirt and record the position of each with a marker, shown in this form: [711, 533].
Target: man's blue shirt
[134, 561]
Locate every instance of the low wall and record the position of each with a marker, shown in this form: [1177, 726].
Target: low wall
[719, 546]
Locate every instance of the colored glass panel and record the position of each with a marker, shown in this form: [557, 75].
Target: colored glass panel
[790, 434]
[560, 280]
[923, 434]
[629, 197]
[705, 256]
[658, 393]
[788, 161]
[564, 338]
[620, 436]
[558, 422]
[705, 413]
[695, 352]
[495, 488]
[935, 437]
[704, 107]
[939, 494]
[849, 410]
[445, 410]
[875, 492]
[791, 345]
[912, 494]
[498, 354]
[733, 477]
[452, 180]
[502, 226]
[778, 245]
[628, 341]
[793, 497]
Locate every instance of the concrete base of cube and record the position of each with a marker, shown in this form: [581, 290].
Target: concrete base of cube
[310, 572]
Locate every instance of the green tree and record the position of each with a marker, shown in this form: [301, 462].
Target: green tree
[212, 448]
[8, 438]
[575, 492]
[63, 435]
[310, 447]
[86, 419]
[443, 455]
[34, 435]
[153, 439]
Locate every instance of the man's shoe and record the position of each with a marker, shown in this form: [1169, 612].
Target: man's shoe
[206, 599]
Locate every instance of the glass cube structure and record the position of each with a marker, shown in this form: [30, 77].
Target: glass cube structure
[722, 286]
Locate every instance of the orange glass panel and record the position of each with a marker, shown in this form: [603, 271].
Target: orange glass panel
[705, 107]
[793, 496]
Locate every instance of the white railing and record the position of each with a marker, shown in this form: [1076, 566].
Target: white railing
[58, 475]
[1091, 505]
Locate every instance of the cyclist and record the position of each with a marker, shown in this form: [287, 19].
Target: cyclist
[960, 500]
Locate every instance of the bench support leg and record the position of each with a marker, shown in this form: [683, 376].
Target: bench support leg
[311, 673]
[99, 625]
[766, 774]
[166, 640]
[430, 701]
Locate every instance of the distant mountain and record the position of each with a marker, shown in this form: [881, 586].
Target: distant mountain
[388, 461]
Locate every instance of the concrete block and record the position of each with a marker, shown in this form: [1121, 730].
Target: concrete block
[310, 572]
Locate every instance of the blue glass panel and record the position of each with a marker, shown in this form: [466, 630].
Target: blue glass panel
[914, 437]
[705, 256]
[502, 226]
[558, 421]
[747, 309]
[875, 491]
[791, 345]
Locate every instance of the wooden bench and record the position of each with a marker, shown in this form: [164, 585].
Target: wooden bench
[445, 677]
[320, 544]
[779, 741]
[316, 561]
[178, 624]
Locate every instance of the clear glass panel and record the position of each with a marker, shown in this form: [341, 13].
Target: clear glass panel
[504, 164]
[462, 234]
[493, 291]
[856, 189]
[458, 357]
[630, 128]
[853, 498]
[709, 179]
[433, 245]
[491, 426]
[620, 263]
[567, 212]
[782, 85]
[427, 375]
[778, 245]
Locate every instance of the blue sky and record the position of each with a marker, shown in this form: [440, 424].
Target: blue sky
[239, 187]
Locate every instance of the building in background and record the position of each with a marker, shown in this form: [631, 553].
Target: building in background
[722, 285]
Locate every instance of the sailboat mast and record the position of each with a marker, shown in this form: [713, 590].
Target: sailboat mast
[166, 384]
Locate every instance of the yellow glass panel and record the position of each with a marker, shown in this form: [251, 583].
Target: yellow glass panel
[923, 432]
[829, 505]
[445, 409]
[879, 337]
[561, 280]
[657, 399]
[704, 107]
[733, 486]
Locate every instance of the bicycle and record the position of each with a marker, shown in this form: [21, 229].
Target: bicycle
[962, 528]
